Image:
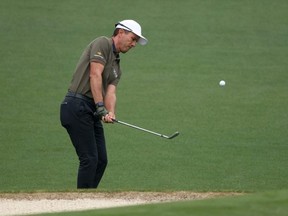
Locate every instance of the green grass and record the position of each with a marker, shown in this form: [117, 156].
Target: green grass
[232, 138]
[260, 204]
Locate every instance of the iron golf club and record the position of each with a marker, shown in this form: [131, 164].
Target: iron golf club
[145, 130]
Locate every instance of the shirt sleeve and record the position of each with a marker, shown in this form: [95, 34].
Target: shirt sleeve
[99, 51]
[116, 81]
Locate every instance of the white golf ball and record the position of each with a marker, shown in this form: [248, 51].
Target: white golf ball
[222, 83]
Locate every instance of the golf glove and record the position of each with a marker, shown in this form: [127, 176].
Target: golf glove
[100, 111]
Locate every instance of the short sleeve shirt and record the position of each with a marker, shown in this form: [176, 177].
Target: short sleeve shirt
[100, 50]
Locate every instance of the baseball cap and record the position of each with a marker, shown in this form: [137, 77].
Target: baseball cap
[132, 26]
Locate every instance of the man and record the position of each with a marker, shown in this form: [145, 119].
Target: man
[92, 97]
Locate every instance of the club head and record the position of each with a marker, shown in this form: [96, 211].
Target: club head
[174, 135]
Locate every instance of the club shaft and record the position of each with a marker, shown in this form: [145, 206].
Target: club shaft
[139, 128]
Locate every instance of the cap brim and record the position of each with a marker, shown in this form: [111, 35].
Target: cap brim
[142, 40]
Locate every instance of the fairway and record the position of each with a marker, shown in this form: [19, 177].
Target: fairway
[233, 138]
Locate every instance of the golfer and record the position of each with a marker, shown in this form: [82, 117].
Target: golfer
[91, 98]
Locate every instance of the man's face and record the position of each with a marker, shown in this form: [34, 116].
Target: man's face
[128, 40]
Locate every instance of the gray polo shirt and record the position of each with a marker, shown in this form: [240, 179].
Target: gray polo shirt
[100, 50]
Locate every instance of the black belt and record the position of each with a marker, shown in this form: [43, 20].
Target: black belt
[80, 96]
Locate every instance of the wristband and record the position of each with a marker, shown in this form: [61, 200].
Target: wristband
[99, 104]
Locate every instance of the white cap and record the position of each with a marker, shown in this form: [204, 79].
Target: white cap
[132, 26]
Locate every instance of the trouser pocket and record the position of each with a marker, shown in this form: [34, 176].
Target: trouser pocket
[64, 113]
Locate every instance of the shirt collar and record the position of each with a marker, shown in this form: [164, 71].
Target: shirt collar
[115, 52]
[114, 48]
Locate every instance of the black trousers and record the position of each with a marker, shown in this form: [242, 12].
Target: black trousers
[87, 135]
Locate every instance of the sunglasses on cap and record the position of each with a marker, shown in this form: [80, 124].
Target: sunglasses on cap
[127, 28]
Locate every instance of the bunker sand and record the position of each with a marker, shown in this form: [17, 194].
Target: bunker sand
[35, 203]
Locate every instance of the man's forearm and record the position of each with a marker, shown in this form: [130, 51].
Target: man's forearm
[96, 70]
[110, 99]
[110, 102]
[96, 88]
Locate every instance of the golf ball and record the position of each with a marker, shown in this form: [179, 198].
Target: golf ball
[222, 83]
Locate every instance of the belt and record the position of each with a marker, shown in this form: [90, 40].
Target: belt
[80, 96]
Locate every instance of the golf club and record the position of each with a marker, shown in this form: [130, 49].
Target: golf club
[148, 131]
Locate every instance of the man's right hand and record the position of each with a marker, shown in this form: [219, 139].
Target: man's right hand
[109, 118]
